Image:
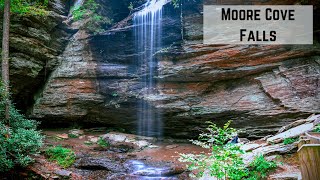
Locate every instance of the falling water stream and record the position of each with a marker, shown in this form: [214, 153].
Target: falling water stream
[148, 34]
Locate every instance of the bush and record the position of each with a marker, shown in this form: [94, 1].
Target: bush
[224, 161]
[63, 156]
[215, 135]
[28, 7]
[95, 23]
[103, 143]
[19, 138]
[260, 167]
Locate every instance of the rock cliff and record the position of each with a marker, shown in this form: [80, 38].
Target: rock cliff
[35, 43]
[260, 88]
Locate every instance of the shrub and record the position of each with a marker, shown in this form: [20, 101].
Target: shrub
[260, 167]
[63, 156]
[72, 136]
[19, 138]
[95, 23]
[28, 7]
[287, 141]
[103, 143]
[224, 161]
[215, 135]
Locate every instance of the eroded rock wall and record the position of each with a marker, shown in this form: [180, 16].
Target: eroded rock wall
[35, 43]
[260, 88]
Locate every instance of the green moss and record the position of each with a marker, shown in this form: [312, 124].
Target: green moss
[63, 156]
[290, 140]
[316, 129]
[28, 7]
[103, 143]
[95, 23]
[72, 136]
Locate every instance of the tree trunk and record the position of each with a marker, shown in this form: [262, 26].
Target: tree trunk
[5, 55]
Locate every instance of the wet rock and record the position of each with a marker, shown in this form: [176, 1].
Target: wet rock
[93, 139]
[243, 140]
[313, 118]
[251, 146]
[63, 173]
[121, 148]
[153, 146]
[286, 176]
[141, 143]
[75, 132]
[62, 136]
[172, 146]
[292, 125]
[115, 137]
[99, 163]
[272, 158]
[288, 172]
[291, 133]
[140, 169]
[271, 149]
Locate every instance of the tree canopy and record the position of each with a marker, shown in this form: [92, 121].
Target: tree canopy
[32, 7]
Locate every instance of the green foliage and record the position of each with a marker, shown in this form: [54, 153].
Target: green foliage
[103, 143]
[215, 135]
[19, 138]
[130, 7]
[95, 23]
[316, 129]
[27, 7]
[88, 143]
[260, 167]
[224, 161]
[72, 136]
[175, 3]
[287, 141]
[63, 156]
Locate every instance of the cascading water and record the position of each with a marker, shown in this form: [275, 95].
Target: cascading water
[148, 32]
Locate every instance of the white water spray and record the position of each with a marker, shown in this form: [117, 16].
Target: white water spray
[148, 32]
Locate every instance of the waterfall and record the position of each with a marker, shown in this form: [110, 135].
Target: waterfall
[148, 32]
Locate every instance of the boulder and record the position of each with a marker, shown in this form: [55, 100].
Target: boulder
[62, 136]
[99, 163]
[63, 173]
[271, 149]
[75, 132]
[291, 133]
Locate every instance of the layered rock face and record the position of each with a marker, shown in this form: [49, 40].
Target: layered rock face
[260, 88]
[35, 43]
